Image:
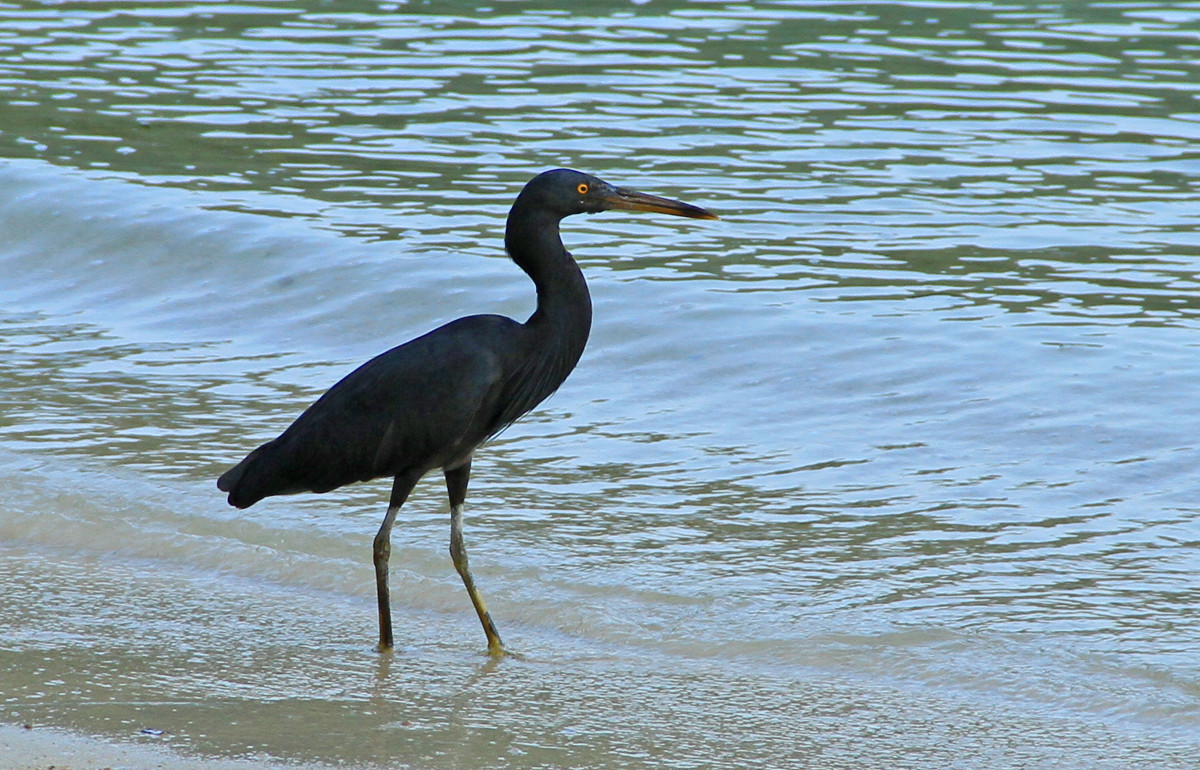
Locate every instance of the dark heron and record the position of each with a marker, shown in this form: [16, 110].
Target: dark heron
[431, 402]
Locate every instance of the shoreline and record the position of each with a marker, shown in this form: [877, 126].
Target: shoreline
[43, 748]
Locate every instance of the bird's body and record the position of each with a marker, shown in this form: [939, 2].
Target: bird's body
[429, 403]
[374, 423]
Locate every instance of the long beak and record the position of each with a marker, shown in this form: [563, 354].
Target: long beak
[630, 200]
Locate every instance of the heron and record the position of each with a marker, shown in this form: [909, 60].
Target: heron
[429, 403]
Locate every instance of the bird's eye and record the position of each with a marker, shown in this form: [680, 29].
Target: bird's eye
[583, 189]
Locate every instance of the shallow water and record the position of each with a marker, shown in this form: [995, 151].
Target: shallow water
[894, 465]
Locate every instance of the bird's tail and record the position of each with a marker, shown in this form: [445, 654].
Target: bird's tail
[234, 481]
[267, 471]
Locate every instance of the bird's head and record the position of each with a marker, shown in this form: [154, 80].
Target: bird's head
[566, 192]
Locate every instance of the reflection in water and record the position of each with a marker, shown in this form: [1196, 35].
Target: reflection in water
[898, 456]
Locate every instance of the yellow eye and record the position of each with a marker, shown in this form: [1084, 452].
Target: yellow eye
[582, 188]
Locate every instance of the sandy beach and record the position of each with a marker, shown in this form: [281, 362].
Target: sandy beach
[42, 748]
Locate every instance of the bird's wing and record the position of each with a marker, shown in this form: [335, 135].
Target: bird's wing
[419, 406]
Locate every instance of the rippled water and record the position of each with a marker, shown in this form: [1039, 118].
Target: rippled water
[893, 466]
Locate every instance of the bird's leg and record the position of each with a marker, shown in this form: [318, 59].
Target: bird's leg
[382, 550]
[456, 485]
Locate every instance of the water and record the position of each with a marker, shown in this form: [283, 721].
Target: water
[892, 466]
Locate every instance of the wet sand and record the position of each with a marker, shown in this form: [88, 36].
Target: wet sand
[42, 748]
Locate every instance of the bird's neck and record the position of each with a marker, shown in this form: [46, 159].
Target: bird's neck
[564, 307]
